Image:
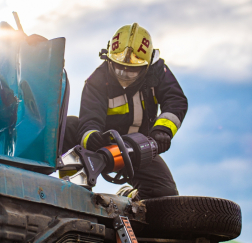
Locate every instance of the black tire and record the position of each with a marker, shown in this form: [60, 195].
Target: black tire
[191, 217]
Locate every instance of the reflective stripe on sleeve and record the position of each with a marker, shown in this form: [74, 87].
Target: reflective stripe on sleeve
[138, 113]
[85, 137]
[167, 123]
[170, 116]
[118, 105]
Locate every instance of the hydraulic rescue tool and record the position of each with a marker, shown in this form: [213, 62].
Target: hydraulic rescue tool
[124, 155]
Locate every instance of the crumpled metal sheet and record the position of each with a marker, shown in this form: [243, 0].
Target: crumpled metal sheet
[113, 204]
[27, 185]
[31, 87]
[108, 203]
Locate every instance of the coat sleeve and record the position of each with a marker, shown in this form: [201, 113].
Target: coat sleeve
[93, 111]
[173, 102]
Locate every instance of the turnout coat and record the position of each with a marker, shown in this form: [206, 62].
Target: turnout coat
[105, 104]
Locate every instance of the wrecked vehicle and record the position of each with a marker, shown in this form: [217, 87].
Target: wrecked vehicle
[35, 207]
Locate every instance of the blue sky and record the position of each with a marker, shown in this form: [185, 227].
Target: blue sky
[207, 45]
[215, 152]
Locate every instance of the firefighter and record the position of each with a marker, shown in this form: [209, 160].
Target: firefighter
[123, 94]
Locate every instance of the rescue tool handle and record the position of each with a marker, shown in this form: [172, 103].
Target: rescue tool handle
[124, 151]
[92, 162]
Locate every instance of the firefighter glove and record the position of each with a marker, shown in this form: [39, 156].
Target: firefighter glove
[163, 140]
[96, 141]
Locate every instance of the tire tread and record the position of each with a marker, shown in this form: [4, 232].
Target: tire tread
[192, 216]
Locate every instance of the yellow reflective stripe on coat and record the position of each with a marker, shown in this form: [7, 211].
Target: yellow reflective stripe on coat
[86, 138]
[167, 123]
[117, 101]
[120, 110]
[143, 104]
[118, 105]
[172, 117]
[142, 100]
[154, 96]
[155, 100]
[137, 113]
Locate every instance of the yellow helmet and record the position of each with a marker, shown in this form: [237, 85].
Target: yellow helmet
[131, 45]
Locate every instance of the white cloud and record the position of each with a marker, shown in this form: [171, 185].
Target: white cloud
[218, 179]
[211, 39]
[28, 11]
[197, 117]
[235, 2]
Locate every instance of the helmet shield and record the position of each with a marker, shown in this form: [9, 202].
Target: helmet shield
[128, 57]
[126, 75]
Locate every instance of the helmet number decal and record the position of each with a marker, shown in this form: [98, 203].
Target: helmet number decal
[146, 43]
[115, 45]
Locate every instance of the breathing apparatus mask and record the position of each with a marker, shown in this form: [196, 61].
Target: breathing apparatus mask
[126, 75]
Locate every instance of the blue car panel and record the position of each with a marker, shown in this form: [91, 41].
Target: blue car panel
[32, 85]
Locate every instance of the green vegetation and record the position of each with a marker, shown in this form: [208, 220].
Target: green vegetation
[233, 241]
